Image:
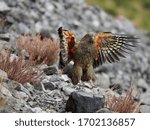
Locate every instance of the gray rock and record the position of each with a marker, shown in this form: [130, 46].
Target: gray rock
[5, 91]
[145, 109]
[49, 7]
[68, 90]
[5, 36]
[37, 110]
[4, 44]
[102, 80]
[86, 89]
[38, 26]
[62, 84]
[65, 78]
[4, 7]
[49, 86]
[3, 74]
[23, 96]
[145, 98]
[80, 102]
[34, 15]
[104, 110]
[86, 84]
[23, 28]
[54, 78]
[143, 85]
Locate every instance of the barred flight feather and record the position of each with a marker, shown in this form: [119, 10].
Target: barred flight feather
[110, 47]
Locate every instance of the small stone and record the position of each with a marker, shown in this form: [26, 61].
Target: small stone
[81, 102]
[4, 44]
[104, 110]
[34, 15]
[85, 89]
[23, 28]
[4, 7]
[22, 95]
[65, 77]
[13, 57]
[96, 23]
[142, 84]
[145, 109]
[55, 96]
[5, 92]
[54, 78]
[102, 80]
[145, 98]
[49, 7]
[37, 110]
[68, 90]
[97, 90]
[50, 70]
[49, 86]
[28, 87]
[5, 37]
[3, 75]
[38, 27]
[86, 84]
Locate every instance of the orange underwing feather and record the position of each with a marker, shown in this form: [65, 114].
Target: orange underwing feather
[110, 47]
[71, 44]
[67, 45]
[98, 38]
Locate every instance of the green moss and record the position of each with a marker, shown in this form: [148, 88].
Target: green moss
[136, 10]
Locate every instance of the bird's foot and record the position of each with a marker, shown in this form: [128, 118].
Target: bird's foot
[80, 83]
[92, 83]
[89, 84]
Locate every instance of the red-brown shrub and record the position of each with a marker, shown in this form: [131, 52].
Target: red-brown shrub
[41, 50]
[123, 104]
[19, 69]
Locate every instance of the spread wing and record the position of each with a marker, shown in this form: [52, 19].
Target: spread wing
[67, 45]
[111, 47]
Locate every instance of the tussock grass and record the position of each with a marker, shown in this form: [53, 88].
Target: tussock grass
[41, 50]
[19, 69]
[123, 104]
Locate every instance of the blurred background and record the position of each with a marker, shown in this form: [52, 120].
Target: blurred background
[136, 10]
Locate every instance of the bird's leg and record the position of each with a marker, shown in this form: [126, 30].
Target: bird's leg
[80, 83]
[92, 83]
[91, 74]
[77, 74]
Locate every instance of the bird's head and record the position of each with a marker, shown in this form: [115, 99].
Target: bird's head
[88, 38]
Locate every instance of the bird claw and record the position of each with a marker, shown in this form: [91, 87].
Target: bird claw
[80, 83]
[89, 84]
